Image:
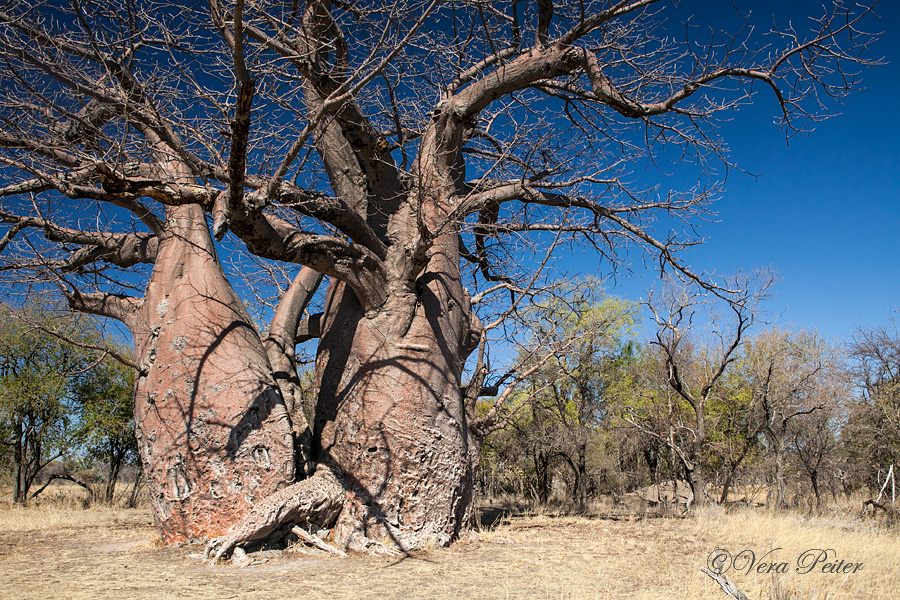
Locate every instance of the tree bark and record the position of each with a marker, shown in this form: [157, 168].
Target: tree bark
[694, 470]
[116, 456]
[19, 494]
[212, 429]
[542, 475]
[390, 417]
[698, 484]
[726, 487]
[814, 480]
[780, 494]
[581, 492]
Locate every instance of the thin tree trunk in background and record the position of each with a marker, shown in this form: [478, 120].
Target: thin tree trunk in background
[19, 461]
[814, 479]
[115, 463]
[698, 484]
[780, 492]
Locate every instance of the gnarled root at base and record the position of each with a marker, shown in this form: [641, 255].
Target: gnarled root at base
[318, 499]
[352, 533]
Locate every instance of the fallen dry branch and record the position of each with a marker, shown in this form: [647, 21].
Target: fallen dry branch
[888, 510]
[726, 584]
[66, 477]
[314, 540]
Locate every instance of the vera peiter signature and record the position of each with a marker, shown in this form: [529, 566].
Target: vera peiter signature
[814, 560]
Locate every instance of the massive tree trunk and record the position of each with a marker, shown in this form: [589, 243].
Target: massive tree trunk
[392, 428]
[213, 431]
[390, 415]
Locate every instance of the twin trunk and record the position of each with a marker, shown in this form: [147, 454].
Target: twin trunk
[215, 436]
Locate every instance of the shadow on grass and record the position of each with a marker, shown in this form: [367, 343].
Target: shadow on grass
[492, 516]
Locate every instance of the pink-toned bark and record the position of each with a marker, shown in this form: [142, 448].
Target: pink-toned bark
[390, 417]
[213, 431]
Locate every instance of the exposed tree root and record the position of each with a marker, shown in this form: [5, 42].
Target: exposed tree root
[318, 499]
[354, 527]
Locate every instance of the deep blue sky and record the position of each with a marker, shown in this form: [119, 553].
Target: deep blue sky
[823, 210]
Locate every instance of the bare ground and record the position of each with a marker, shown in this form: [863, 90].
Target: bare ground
[116, 554]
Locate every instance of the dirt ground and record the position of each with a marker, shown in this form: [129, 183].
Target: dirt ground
[117, 555]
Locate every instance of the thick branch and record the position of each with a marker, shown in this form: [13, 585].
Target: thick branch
[121, 249]
[309, 328]
[114, 306]
[269, 237]
[279, 345]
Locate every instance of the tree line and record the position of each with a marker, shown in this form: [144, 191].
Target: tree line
[65, 403]
[714, 396]
[720, 400]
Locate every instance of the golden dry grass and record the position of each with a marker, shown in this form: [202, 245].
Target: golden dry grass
[789, 535]
[49, 553]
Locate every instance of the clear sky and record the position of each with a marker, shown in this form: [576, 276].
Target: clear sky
[824, 209]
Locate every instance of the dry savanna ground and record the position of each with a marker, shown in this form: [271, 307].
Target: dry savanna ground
[55, 551]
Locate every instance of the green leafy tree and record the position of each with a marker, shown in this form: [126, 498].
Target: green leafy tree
[106, 418]
[793, 376]
[734, 437]
[815, 444]
[695, 366]
[37, 373]
[870, 437]
[875, 418]
[575, 359]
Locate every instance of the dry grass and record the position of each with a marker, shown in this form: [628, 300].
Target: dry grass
[52, 517]
[65, 495]
[788, 535]
[49, 552]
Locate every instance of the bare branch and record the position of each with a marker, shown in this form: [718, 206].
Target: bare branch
[122, 308]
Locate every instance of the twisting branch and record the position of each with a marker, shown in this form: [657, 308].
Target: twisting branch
[483, 426]
[103, 350]
[124, 250]
[273, 238]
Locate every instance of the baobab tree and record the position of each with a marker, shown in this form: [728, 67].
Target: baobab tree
[404, 151]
